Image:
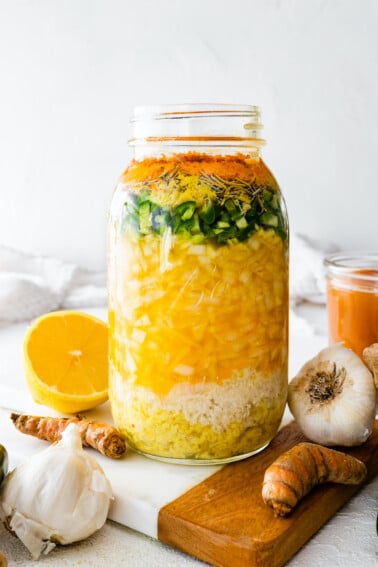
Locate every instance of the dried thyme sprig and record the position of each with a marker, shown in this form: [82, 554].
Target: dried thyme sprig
[231, 189]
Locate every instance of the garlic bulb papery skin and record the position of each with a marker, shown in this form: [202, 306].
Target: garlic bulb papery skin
[59, 495]
[333, 398]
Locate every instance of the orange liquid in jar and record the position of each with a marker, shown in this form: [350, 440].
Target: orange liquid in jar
[353, 310]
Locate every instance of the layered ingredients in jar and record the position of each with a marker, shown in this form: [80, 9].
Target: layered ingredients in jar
[198, 306]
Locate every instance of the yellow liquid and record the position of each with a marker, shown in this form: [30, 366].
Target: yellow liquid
[198, 349]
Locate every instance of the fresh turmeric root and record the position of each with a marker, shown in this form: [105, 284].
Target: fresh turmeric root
[302, 467]
[3, 560]
[100, 436]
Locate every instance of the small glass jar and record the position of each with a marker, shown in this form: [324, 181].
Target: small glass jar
[352, 299]
[198, 287]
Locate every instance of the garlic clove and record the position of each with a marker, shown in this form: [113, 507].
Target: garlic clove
[59, 495]
[370, 357]
[333, 398]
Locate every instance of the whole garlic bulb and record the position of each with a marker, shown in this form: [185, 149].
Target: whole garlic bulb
[59, 495]
[333, 398]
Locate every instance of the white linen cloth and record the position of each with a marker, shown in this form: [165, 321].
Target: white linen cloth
[307, 275]
[32, 285]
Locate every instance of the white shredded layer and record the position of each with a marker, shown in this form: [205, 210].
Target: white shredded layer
[209, 403]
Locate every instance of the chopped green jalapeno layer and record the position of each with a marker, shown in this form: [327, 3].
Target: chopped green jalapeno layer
[215, 220]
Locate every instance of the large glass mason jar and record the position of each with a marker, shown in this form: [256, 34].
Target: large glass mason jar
[198, 287]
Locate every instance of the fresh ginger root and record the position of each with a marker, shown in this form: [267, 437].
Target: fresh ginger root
[3, 560]
[302, 467]
[370, 356]
[100, 436]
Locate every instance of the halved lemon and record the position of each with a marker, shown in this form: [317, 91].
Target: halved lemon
[66, 361]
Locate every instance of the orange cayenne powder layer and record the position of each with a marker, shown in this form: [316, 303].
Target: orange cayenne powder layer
[229, 167]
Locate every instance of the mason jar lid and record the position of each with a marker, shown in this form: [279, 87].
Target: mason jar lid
[205, 123]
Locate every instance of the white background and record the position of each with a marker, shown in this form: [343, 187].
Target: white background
[72, 70]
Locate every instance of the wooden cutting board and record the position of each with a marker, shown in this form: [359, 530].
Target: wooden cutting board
[224, 521]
